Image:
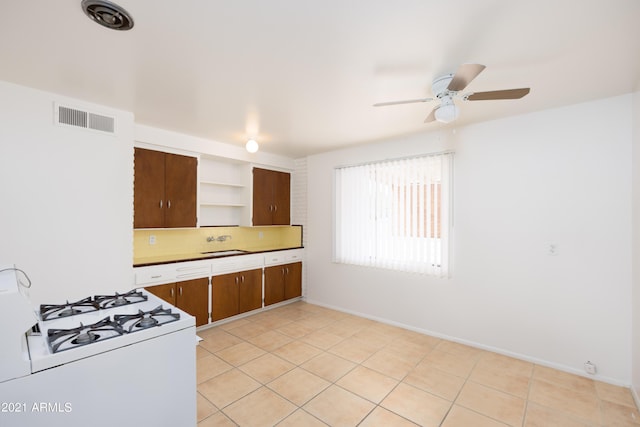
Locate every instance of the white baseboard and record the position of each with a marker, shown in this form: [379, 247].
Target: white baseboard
[481, 346]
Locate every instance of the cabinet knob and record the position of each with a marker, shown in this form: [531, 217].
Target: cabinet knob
[160, 204]
[168, 204]
[180, 293]
[171, 292]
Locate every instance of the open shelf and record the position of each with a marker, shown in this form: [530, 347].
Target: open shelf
[223, 192]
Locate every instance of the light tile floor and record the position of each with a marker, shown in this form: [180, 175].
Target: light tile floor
[305, 365]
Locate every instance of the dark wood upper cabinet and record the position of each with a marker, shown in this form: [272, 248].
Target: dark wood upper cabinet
[165, 187]
[148, 185]
[271, 197]
[181, 182]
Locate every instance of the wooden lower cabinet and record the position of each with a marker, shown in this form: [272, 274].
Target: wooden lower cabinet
[293, 281]
[250, 290]
[235, 293]
[191, 296]
[282, 282]
[232, 293]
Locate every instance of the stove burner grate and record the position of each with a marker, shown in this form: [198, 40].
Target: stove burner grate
[118, 300]
[52, 311]
[65, 339]
[144, 320]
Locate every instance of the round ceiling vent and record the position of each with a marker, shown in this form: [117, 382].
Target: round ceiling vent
[107, 14]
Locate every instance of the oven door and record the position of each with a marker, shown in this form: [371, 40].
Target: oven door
[151, 382]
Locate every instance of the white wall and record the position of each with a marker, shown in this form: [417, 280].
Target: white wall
[67, 198]
[636, 249]
[160, 139]
[561, 176]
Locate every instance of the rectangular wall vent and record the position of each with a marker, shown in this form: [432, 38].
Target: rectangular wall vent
[84, 119]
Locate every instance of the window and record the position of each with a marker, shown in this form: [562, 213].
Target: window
[395, 214]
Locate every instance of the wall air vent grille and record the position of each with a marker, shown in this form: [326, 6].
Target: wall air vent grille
[69, 116]
[103, 123]
[84, 119]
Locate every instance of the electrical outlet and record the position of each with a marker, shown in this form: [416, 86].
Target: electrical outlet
[590, 368]
[553, 249]
[260, 235]
[152, 239]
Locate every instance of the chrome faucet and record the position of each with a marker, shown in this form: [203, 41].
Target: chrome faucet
[222, 238]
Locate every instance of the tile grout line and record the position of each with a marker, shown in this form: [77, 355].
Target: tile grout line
[313, 318]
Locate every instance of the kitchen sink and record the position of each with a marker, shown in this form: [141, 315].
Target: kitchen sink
[224, 253]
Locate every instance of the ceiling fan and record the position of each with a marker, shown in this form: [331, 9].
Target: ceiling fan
[446, 88]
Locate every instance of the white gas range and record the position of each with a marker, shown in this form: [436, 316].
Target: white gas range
[121, 359]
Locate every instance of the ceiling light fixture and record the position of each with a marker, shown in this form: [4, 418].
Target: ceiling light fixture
[448, 111]
[107, 14]
[252, 146]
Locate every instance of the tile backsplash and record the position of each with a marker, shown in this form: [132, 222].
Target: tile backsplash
[176, 241]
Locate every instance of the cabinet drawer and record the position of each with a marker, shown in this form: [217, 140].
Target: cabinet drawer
[154, 275]
[236, 263]
[292, 256]
[283, 257]
[274, 258]
[192, 270]
[159, 274]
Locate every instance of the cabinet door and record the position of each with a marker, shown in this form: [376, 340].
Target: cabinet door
[250, 283]
[166, 292]
[293, 280]
[180, 190]
[192, 296]
[271, 197]
[274, 284]
[148, 184]
[262, 196]
[281, 199]
[224, 296]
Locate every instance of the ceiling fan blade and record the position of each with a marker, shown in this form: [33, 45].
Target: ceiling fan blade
[408, 101]
[498, 94]
[431, 117]
[464, 75]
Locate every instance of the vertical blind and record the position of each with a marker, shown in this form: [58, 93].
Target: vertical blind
[395, 214]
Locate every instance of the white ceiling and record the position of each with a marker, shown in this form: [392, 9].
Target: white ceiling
[301, 76]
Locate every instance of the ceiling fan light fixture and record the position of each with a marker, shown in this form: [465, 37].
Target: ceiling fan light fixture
[252, 146]
[448, 87]
[447, 113]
